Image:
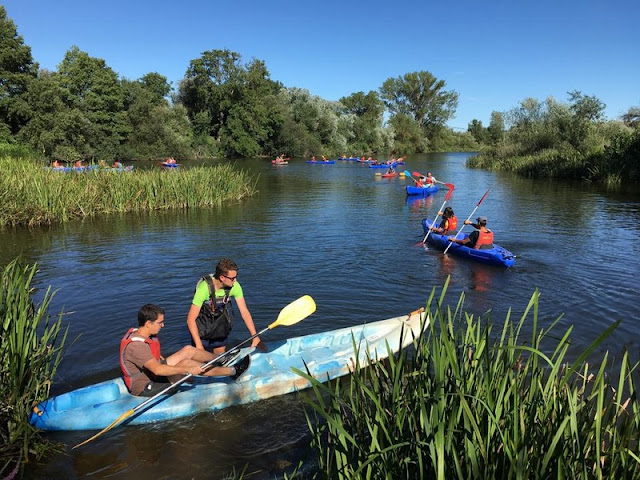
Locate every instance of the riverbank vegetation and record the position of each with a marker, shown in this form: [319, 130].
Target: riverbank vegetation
[562, 140]
[31, 343]
[223, 107]
[32, 195]
[478, 400]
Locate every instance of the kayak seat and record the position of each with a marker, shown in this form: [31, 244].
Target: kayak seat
[95, 394]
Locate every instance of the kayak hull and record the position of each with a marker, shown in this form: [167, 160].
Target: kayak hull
[411, 190]
[321, 162]
[383, 165]
[498, 255]
[326, 355]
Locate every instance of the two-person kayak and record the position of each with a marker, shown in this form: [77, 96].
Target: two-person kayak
[325, 355]
[430, 190]
[495, 256]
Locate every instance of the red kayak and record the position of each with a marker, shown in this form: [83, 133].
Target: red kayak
[389, 175]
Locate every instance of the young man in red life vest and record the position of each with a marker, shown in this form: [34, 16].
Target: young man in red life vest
[479, 239]
[146, 372]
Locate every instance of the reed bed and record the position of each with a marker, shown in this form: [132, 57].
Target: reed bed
[475, 402]
[31, 195]
[30, 350]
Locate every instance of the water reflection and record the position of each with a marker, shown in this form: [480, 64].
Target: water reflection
[350, 241]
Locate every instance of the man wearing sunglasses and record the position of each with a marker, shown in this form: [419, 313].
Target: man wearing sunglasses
[210, 316]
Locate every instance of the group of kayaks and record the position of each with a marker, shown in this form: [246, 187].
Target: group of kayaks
[89, 168]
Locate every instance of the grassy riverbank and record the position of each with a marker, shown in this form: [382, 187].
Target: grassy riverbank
[31, 195]
[476, 402]
[30, 347]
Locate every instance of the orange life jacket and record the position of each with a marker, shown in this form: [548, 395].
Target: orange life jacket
[153, 343]
[484, 238]
[450, 225]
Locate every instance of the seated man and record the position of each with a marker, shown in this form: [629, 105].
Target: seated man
[479, 239]
[147, 372]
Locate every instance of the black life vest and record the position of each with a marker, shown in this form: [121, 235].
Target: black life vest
[215, 319]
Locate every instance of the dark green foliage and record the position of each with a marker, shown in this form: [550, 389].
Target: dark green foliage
[421, 96]
[17, 70]
[30, 351]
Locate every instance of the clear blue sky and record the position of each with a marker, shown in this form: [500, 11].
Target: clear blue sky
[494, 54]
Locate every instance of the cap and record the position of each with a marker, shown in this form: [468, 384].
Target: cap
[482, 219]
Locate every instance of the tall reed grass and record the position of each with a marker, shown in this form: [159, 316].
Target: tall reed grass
[30, 350]
[31, 195]
[476, 402]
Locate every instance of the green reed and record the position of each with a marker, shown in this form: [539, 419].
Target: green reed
[30, 351]
[32, 195]
[473, 402]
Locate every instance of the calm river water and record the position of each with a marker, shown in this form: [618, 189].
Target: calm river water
[345, 237]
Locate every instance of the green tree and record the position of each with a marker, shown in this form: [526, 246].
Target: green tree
[94, 89]
[408, 137]
[496, 128]
[56, 128]
[632, 117]
[421, 96]
[361, 122]
[17, 70]
[476, 129]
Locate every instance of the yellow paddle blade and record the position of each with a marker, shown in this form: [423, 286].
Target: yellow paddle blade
[116, 422]
[294, 312]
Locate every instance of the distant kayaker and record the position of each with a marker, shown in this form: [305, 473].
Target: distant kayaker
[391, 170]
[171, 161]
[430, 179]
[78, 163]
[449, 222]
[56, 164]
[210, 317]
[324, 159]
[313, 158]
[479, 239]
[146, 372]
[117, 164]
[421, 182]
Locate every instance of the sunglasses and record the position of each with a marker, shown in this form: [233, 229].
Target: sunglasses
[233, 279]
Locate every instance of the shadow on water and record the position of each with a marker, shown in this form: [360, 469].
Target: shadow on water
[351, 241]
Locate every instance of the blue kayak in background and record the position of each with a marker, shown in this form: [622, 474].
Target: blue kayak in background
[326, 355]
[494, 256]
[411, 190]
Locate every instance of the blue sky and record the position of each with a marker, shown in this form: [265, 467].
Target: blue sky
[494, 54]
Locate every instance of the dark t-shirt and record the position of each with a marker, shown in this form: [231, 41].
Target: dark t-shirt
[135, 356]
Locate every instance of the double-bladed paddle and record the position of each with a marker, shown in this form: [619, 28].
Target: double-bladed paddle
[291, 314]
[468, 218]
[446, 198]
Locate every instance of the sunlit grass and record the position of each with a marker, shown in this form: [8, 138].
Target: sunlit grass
[32, 195]
[476, 402]
[30, 351]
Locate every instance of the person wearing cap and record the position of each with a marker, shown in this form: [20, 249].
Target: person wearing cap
[480, 239]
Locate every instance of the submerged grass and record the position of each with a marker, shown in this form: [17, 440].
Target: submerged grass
[31, 195]
[30, 350]
[473, 402]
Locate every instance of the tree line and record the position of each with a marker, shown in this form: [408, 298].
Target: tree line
[225, 107]
[222, 107]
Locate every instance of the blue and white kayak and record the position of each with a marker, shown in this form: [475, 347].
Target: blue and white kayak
[383, 165]
[494, 256]
[321, 162]
[326, 355]
[412, 190]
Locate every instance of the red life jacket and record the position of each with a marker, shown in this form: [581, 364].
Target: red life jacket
[153, 343]
[451, 224]
[484, 238]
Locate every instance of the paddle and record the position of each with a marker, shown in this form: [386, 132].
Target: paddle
[468, 218]
[291, 314]
[447, 197]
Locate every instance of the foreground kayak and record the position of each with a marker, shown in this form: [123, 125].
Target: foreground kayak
[495, 256]
[326, 355]
[411, 190]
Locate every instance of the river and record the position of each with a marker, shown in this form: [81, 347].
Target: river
[350, 240]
